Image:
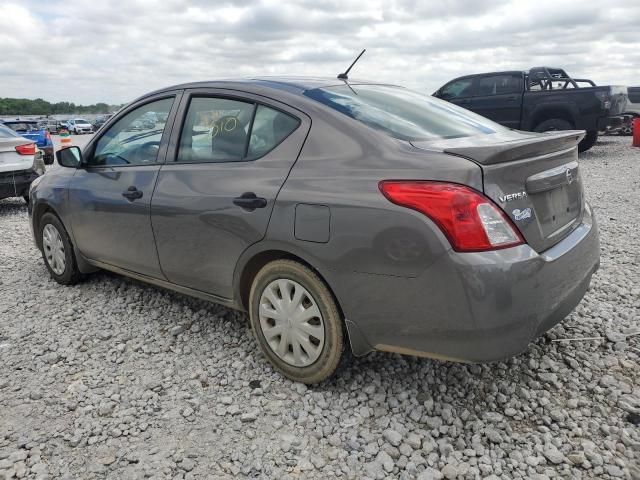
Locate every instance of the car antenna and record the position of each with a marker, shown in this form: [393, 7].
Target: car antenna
[344, 76]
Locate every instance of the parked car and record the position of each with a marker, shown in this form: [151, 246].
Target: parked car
[79, 126]
[540, 100]
[30, 130]
[53, 126]
[633, 109]
[20, 163]
[101, 120]
[339, 216]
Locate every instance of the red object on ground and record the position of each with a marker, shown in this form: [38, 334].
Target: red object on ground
[636, 132]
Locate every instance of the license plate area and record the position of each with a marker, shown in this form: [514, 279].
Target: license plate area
[558, 209]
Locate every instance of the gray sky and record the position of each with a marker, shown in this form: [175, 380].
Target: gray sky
[114, 51]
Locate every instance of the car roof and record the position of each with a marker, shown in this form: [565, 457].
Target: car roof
[487, 74]
[295, 85]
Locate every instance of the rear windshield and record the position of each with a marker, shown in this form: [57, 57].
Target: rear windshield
[22, 126]
[7, 132]
[402, 113]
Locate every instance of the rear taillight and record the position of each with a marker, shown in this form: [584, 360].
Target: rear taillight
[27, 149]
[471, 221]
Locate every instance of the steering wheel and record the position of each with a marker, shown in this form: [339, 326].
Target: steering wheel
[147, 152]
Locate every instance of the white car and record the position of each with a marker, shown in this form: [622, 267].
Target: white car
[79, 126]
[20, 164]
[633, 107]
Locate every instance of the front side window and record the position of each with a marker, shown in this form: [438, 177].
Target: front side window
[457, 89]
[226, 130]
[132, 140]
[402, 113]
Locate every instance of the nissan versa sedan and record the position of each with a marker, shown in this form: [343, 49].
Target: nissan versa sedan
[344, 217]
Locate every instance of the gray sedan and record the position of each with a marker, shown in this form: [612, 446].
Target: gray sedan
[344, 217]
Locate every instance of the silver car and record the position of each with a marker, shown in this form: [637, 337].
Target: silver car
[344, 217]
[20, 164]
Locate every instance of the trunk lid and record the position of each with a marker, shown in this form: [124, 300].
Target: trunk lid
[10, 160]
[533, 177]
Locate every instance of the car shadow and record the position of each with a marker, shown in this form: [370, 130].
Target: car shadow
[12, 206]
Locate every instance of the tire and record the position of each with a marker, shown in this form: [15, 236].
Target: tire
[26, 199]
[70, 273]
[588, 141]
[553, 124]
[324, 355]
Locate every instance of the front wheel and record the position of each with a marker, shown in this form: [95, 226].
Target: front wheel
[296, 321]
[57, 251]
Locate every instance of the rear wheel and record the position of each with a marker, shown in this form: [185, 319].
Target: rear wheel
[296, 321]
[57, 251]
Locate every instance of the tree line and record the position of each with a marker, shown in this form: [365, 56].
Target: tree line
[25, 106]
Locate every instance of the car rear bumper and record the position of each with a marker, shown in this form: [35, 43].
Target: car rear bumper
[477, 307]
[16, 184]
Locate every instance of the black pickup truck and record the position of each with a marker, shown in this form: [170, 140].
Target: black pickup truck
[540, 100]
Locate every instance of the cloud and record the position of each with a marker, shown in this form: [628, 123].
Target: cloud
[115, 51]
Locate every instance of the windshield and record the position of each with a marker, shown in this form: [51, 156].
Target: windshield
[402, 113]
[80, 121]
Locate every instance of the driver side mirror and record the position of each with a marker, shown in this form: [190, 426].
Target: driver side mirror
[70, 157]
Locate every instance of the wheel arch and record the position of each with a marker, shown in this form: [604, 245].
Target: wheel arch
[252, 264]
[549, 113]
[39, 210]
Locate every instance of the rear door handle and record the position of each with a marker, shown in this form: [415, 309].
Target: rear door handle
[249, 201]
[132, 193]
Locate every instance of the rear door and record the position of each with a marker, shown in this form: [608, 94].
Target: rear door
[215, 193]
[499, 98]
[110, 195]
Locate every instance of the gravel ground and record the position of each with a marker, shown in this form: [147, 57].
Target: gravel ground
[115, 379]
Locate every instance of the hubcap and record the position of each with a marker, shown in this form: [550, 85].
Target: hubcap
[291, 322]
[53, 248]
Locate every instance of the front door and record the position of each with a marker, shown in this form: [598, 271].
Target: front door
[215, 192]
[110, 195]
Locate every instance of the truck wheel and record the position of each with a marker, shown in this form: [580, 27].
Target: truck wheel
[296, 322]
[553, 124]
[588, 141]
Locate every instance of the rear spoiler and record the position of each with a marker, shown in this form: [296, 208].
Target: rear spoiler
[506, 147]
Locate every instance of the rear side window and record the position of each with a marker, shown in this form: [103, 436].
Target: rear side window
[457, 89]
[226, 130]
[402, 113]
[499, 85]
[270, 127]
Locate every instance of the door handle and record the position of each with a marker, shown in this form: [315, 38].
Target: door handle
[132, 193]
[511, 99]
[249, 201]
